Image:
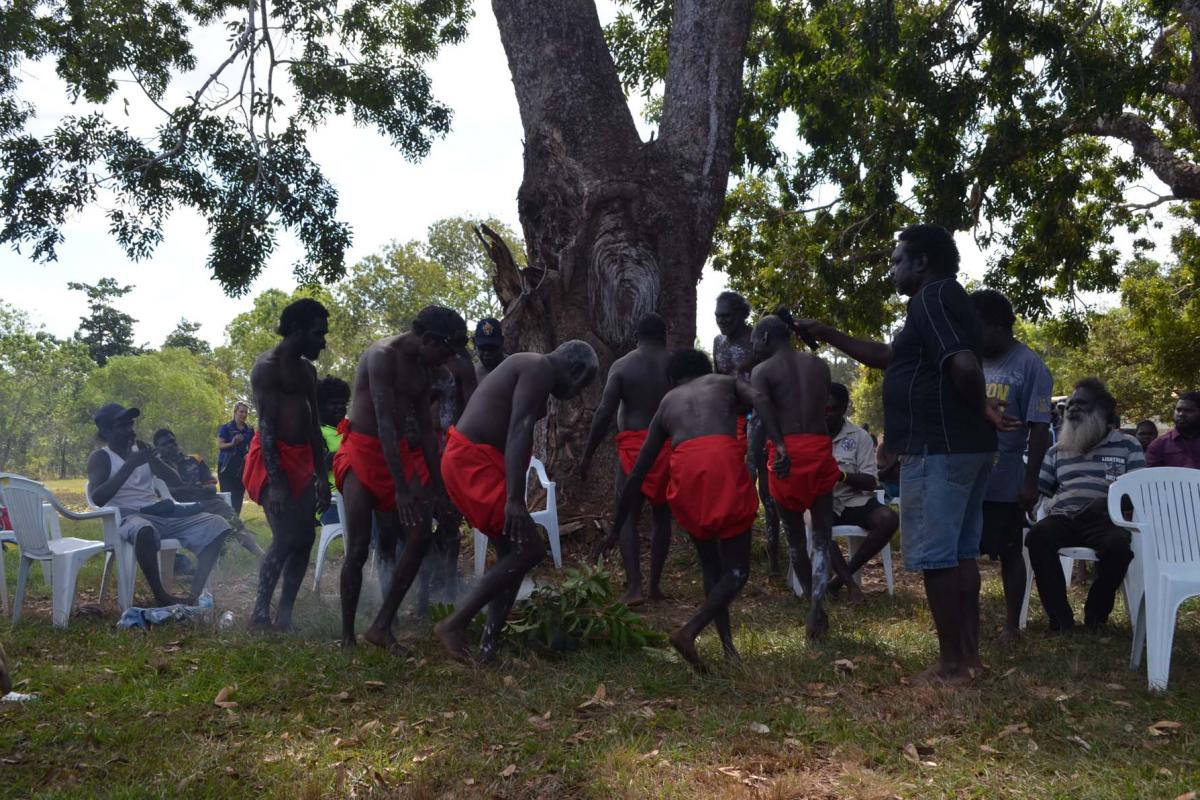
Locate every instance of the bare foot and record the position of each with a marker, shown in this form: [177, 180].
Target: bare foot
[656, 596]
[260, 625]
[385, 639]
[936, 676]
[732, 656]
[1009, 636]
[454, 642]
[600, 548]
[817, 625]
[348, 642]
[857, 597]
[686, 647]
[633, 597]
[282, 627]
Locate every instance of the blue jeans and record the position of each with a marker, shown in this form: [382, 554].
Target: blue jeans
[941, 510]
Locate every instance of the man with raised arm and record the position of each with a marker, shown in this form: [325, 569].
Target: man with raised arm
[710, 492]
[937, 417]
[287, 455]
[636, 384]
[797, 384]
[734, 355]
[485, 467]
[379, 472]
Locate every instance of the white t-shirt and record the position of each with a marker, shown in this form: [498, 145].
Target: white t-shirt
[854, 452]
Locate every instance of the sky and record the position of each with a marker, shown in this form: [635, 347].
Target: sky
[474, 171]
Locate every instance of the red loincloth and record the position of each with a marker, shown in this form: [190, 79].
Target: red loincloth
[814, 471]
[364, 454]
[297, 463]
[654, 487]
[474, 477]
[710, 491]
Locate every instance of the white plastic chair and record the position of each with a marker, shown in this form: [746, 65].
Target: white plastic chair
[854, 536]
[333, 530]
[122, 552]
[24, 499]
[547, 518]
[1166, 542]
[1131, 587]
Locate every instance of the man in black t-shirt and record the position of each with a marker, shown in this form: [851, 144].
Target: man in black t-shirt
[937, 417]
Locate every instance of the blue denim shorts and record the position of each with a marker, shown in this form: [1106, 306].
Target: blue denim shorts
[941, 507]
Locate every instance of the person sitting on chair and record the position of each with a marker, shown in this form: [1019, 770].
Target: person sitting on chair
[122, 474]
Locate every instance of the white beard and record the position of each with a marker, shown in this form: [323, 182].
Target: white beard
[1076, 438]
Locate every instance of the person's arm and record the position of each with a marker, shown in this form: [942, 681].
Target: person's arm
[317, 443]
[656, 437]
[429, 442]
[465, 379]
[223, 443]
[101, 484]
[390, 417]
[609, 403]
[864, 477]
[528, 406]
[864, 351]
[748, 395]
[1048, 476]
[264, 382]
[1036, 446]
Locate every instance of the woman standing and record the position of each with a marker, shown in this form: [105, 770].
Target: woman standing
[233, 439]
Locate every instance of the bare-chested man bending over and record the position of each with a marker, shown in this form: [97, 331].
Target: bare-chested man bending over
[286, 462]
[378, 471]
[798, 385]
[636, 384]
[710, 492]
[486, 464]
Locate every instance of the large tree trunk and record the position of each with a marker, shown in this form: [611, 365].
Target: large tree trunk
[615, 227]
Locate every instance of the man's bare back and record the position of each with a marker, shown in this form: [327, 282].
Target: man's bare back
[642, 376]
[486, 418]
[286, 389]
[394, 359]
[706, 406]
[798, 386]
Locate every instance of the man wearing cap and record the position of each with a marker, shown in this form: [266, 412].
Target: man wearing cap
[489, 346]
[122, 474]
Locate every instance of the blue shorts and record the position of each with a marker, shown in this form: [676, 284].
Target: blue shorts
[941, 508]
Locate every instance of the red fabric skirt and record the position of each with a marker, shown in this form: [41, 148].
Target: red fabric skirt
[297, 463]
[814, 471]
[654, 487]
[475, 482]
[710, 491]
[363, 454]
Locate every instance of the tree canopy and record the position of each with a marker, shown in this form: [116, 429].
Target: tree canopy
[230, 141]
[106, 330]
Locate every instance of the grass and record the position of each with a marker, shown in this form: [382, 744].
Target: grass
[131, 714]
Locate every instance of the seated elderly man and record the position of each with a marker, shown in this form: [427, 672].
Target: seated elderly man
[1075, 476]
[122, 474]
[191, 481]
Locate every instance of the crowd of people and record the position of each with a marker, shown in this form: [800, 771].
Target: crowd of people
[979, 457]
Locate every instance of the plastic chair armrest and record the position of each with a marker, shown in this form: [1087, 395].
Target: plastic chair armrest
[540, 468]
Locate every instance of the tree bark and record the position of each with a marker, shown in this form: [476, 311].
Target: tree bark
[614, 227]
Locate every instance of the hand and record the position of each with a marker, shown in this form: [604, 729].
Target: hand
[408, 507]
[443, 510]
[817, 331]
[1027, 497]
[237, 439]
[143, 455]
[518, 525]
[277, 497]
[998, 419]
[585, 464]
[783, 464]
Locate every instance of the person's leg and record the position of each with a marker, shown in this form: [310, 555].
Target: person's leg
[733, 556]
[976, 466]
[301, 531]
[631, 548]
[1043, 540]
[497, 611]
[771, 514]
[270, 568]
[416, 545]
[206, 559]
[1008, 522]
[1112, 545]
[504, 576]
[881, 524]
[660, 545]
[601, 547]
[825, 555]
[709, 555]
[942, 591]
[145, 548]
[793, 526]
[356, 532]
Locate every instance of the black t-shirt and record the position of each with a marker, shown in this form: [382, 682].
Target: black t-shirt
[923, 411]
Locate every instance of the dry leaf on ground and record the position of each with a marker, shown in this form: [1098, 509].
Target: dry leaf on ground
[508, 771]
[598, 699]
[222, 699]
[1164, 727]
[759, 728]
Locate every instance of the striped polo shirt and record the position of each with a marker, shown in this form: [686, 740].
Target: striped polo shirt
[1074, 481]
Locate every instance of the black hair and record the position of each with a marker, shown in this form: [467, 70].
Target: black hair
[441, 321]
[300, 314]
[839, 393]
[1104, 399]
[1146, 422]
[935, 243]
[651, 328]
[160, 433]
[993, 308]
[743, 305]
[1192, 397]
[331, 388]
[688, 363]
[773, 325]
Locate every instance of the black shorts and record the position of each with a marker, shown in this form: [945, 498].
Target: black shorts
[857, 515]
[1003, 527]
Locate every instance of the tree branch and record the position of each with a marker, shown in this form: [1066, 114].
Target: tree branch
[1181, 175]
[703, 94]
[564, 77]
